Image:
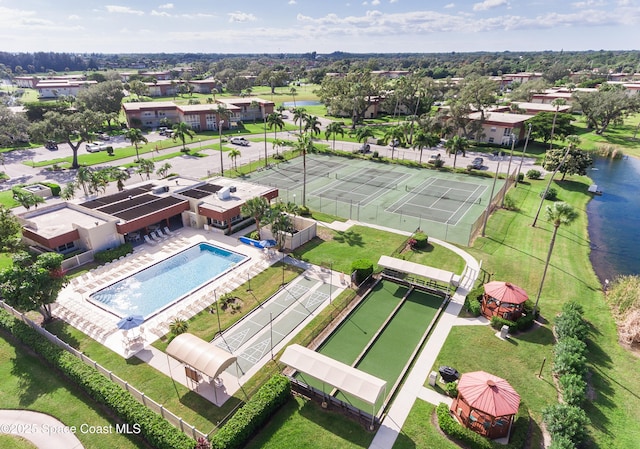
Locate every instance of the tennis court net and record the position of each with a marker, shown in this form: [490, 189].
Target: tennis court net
[392, 185]
[439, 193]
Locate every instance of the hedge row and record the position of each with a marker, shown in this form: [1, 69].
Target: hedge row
[472, 440]
[252, 415]
[153, 428]
[363, 269]
[567, 422]
[112, 254]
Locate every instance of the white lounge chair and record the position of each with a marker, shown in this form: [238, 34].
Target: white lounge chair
[149, 241]
[167, 231]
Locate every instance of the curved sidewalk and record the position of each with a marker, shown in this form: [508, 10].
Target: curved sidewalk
[41, 429]
[413, 386]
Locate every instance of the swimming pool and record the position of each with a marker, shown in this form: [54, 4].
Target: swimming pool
[155, 288]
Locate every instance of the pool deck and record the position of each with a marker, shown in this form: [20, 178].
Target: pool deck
[73, 307]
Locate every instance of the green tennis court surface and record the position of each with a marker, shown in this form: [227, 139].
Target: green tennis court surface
[388, 355]
[445, 205]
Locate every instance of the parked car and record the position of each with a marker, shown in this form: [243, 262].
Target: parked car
[103, 136]
[164, 131]
[433, 158]
[365, 148]
[51, 145]
[239, 141]
[95, 147]
[477, 163]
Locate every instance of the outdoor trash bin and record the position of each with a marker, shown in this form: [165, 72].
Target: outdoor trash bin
[448, 374]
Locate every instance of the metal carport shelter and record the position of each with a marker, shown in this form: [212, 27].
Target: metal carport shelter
[200, 355]
[337, 374]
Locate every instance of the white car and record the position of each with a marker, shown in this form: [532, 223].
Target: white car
[95, 147]
[239, 141]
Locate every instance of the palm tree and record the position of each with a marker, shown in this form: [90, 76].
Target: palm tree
[312, 124]
[26, 198]
[181, 131]
[257, 208]
[83, 177]
[293, 93]
[135, 136]
[363, 133]
[299, 115]
[573, 142]
[455, 144]
[557, 103]
[214, 92]
[424, 140]
[559, 214]
[120, 176]
[233, 155]
[304, 145]
[163, 171]
[395, 134]
[146, 167]
[275, 121]
[333, 129]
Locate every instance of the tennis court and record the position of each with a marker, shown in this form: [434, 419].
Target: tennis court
[445, 205]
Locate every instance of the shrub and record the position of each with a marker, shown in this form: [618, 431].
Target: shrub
[375, 155]
[438, 163]
[55, 188]
[510, 203]
[571, 324]
[451, 427]
[570, 357]
[112, 254]
[304, 211]
[497, 322]
[525, 322]
[363, 269]
[552, 194]
[422, 240]
[472, 305]
[561, 442]
[573, 307]
[534, 174]
[153, 428]
[252, 415]
[566, 421]
[452, 389]
[520, 177]
[574, 389]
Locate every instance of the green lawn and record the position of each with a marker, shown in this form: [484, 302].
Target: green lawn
[343, 247]
[514, 251]
[436, 256]
[6, 199]
[416, 433]
[15, 442]
[5, 260]
[302, 424]
[28, 383]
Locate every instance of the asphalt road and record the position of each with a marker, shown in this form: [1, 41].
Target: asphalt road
[16, 163]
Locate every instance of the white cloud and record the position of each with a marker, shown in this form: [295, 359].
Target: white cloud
[73, 17]
[375, 2]
[123, 10]
[166, 6]
[292, 2]
[241, 17]
[588, 4]
[489, 4]
[160, 13]
[393, 1]
[449, 5]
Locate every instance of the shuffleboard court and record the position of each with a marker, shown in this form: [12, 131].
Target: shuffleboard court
[440, 200]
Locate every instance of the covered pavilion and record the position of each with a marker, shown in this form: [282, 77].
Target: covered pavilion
[200, 357]
[486, 404]
[343, 377]
[418, 275]
[503, 299]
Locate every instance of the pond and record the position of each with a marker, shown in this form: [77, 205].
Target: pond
[290, 104]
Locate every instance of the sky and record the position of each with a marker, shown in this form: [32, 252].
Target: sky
[324, 26]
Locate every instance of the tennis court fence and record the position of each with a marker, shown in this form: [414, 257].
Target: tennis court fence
[497, 199]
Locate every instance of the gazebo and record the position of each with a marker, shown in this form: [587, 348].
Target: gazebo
[503, 299]
[486, 404]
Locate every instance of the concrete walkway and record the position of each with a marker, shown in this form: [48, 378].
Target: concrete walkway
[413, 386]
[41, 429]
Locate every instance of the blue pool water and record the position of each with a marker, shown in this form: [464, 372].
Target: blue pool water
[157, 287]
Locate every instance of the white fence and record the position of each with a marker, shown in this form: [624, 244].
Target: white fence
[139, 395]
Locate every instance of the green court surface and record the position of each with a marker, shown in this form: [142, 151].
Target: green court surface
[444, 205]
[390, 352]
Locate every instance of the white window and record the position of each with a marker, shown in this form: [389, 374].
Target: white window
[491, 140]
[493, 129]
[507, 132]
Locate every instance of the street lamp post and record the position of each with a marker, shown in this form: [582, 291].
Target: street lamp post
[526, 142]
[513, 143]
[220, 124]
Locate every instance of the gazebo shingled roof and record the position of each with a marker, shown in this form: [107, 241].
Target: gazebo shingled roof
[489, 394]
